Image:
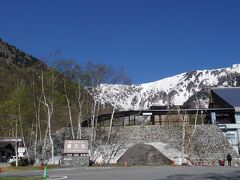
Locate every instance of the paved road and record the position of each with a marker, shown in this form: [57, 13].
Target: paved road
[140, 173]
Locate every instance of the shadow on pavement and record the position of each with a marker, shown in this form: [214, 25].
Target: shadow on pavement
[209, 176]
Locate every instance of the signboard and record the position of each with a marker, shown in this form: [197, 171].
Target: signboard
[78, 146]
[11, 139]
[147, 114]
[21, 149]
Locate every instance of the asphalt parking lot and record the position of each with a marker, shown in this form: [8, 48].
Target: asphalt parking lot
[139, 173]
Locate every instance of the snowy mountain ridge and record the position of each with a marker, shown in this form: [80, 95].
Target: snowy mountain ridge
[171, 90]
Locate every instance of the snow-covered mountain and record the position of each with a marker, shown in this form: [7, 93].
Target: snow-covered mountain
[189, 87]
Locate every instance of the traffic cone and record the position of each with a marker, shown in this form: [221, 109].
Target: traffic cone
[45, 175]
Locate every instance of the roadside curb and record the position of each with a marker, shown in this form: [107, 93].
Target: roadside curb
[56, 178]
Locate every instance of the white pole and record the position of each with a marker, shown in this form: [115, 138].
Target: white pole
[16, 148]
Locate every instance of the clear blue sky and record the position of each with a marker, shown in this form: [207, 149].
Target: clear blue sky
[150, 39]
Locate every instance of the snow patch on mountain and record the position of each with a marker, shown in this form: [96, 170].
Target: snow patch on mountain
[172, 90]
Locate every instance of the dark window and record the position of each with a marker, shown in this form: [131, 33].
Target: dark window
[3, 153]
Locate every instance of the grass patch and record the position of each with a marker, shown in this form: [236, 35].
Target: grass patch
[26, 168]
[22, 178]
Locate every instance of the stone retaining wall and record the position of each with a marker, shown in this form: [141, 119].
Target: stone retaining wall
[207, 142]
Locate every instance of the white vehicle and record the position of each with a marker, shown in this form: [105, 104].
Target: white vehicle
[13, 159]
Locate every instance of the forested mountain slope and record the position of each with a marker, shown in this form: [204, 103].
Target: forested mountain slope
[22, 78]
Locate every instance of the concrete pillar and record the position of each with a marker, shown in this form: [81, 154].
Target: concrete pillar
[213, 118]
[238, 140]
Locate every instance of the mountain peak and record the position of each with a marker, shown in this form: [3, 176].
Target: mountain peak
[175, 90]
[10, 54]
[236, 66]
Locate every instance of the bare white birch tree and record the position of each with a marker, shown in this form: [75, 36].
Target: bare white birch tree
[110, 125]
[98, 74]
[19, 93]
[48, 102]
[16, 143]
[92, 139]
[184, 121]
[189, 139]
[80, 101]
[69, 108]
[37, 110]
